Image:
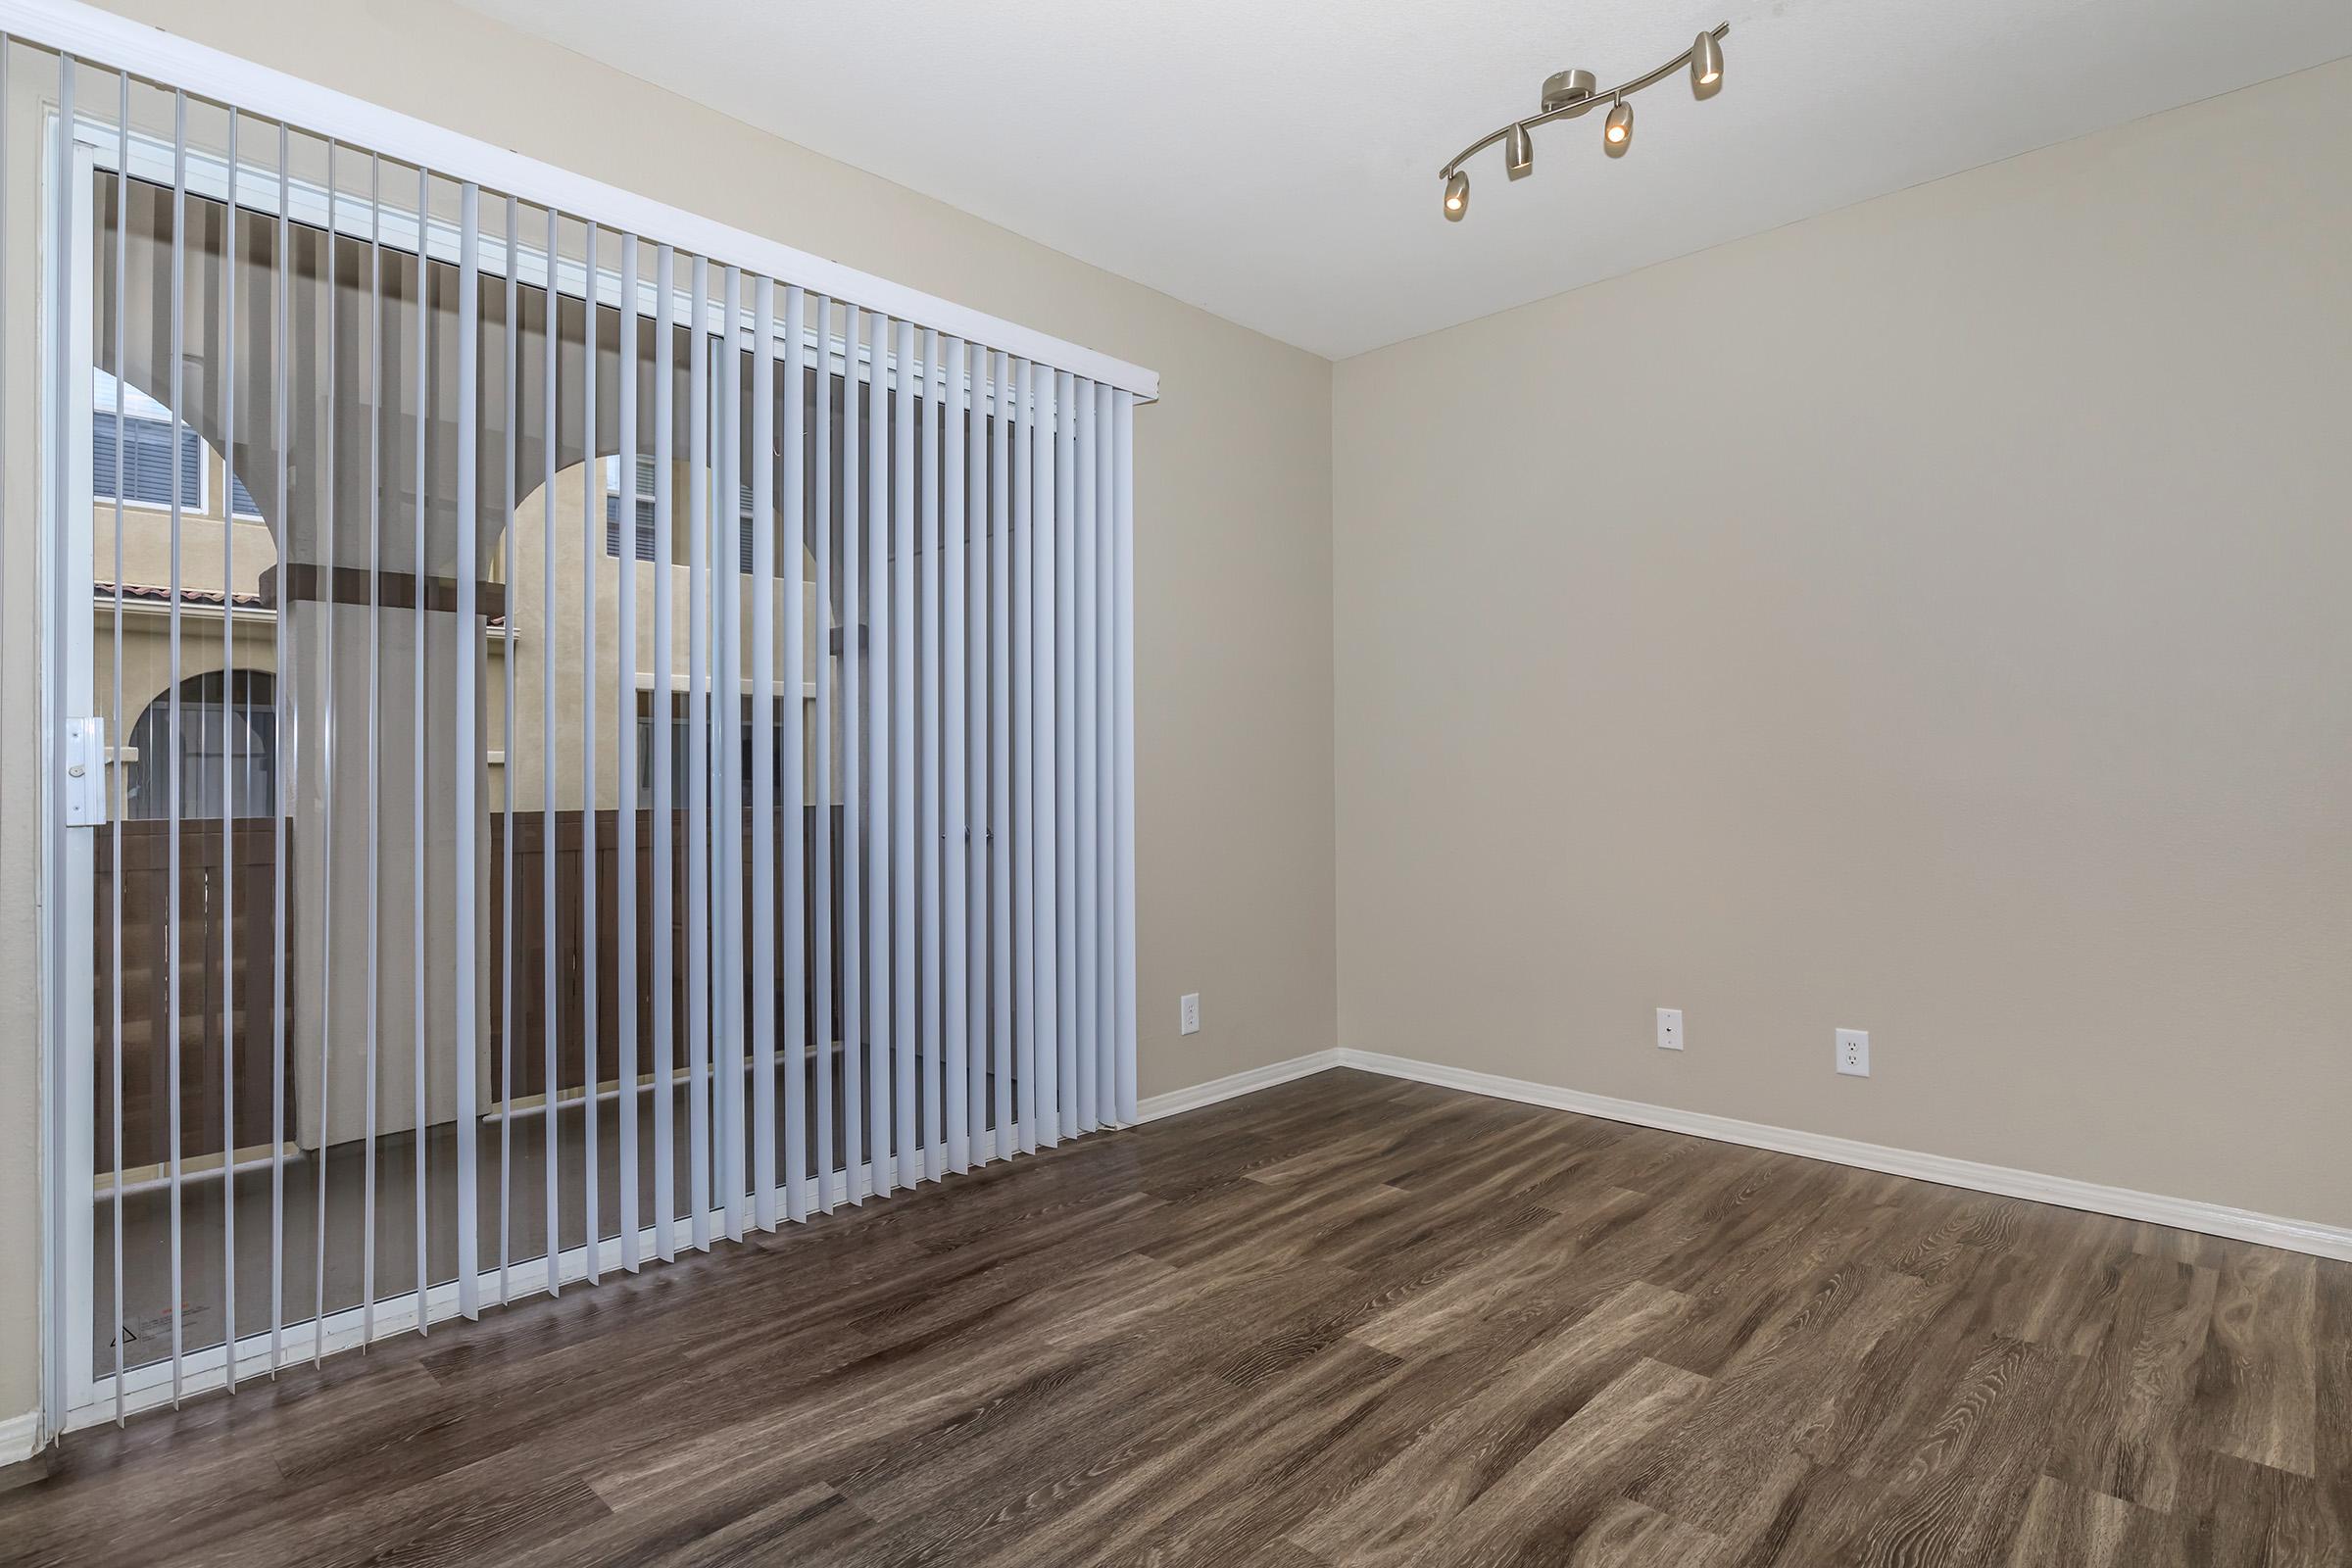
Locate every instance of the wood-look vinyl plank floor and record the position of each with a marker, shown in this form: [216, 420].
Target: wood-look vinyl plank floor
[1346, 1320]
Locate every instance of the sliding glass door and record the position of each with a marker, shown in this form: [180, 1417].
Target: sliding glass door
[593, 748]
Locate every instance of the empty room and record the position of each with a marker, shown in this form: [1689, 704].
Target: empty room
[1233, 785]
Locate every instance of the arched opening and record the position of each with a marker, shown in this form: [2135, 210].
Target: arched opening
[222, 741]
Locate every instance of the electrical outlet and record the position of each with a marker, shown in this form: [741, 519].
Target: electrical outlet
[1188, 1014]
[1853, 1052]
[1670, 1028]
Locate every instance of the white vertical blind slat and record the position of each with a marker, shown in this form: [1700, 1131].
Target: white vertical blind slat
[906, 1037]
[508, 799]
[1046, 846]
[947, 375]
[1000, 922]
[591, 553]
[179, 221]
[728, 978]
[228, 761]
[1123, 677]
[551, 1167]
[664, 1112]
[929, 917]
[763, 882]
[1023, 940]
[281, 292]
[853, 789]
[1065, 751]
[624, 736]
[974, 730]
[879, 781]
[1106, 987]
[421, 384]
[465, 754]
[828, 627]
[328, 716]
[791, 879]
[1081, 805]
[277, 1053]
[370, 1027]
[697, 758]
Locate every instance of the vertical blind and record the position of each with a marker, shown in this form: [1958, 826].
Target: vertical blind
[451, 1011]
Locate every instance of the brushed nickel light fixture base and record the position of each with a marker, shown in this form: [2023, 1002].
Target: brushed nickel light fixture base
[1563, 88]
[1570, 93]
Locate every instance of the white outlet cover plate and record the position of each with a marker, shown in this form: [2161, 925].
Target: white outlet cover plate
[1670, 1028]
[1853, 1052]
[1188, 1014]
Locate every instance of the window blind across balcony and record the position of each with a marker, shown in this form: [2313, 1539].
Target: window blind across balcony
[562, 490]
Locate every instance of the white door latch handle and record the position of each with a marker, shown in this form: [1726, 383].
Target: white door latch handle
[85, 772]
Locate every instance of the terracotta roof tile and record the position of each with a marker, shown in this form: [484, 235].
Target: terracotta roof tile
[153, 594]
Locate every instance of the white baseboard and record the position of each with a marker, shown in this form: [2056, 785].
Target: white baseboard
[1177, 1101]
[2181, 1214]
[20, 1437]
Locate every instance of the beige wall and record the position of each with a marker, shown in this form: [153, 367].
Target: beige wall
[1233, 567]
[21, 1129]
[1927, 618]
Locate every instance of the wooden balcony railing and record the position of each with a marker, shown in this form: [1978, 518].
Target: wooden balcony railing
[216, 951]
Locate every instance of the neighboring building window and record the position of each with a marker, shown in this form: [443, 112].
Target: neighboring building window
[681, 748]
[134, 461]
[678, 521]
[644, 507]
[226, 749]
[131, 453]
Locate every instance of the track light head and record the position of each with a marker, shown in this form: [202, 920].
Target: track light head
[1617, 134]
[1706, 67]
[1457, 196]
[1519, 151]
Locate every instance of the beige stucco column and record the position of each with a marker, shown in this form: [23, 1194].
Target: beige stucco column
[336, 843]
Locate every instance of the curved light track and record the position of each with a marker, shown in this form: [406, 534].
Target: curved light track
[1568, 95]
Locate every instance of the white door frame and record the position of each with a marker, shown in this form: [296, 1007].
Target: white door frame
[68, 302]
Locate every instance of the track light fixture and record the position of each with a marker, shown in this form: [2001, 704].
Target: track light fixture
[1570, 93]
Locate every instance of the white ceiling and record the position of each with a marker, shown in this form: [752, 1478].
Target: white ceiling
[1276, 163]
